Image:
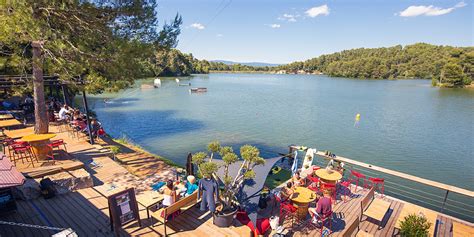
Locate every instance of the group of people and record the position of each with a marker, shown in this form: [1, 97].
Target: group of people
[78, 120]
[207, 188]
[323, 204]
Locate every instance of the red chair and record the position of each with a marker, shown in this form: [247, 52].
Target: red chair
[331, 187]
[356, 177]
[312, 179]
[379, 184]
[22, 152]
[323, 219]
[287, 211]
[56, 144]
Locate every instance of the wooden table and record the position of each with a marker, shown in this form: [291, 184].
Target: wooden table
[39, 143]
[149, 199]
[109, 189]
[409, 208]
[19, 133]
[6, 116]
[327, 177]
[9, 123]
[461, 230]
[302, 197]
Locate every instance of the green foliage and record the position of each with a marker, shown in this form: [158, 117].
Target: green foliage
[114, 149]
[420, 60]
[230, 158]
[249, 174]
[199, 158]
[108, 43]
[225, 150]
[214, 146]
[414, 226]
[208, 168]
[452, 75]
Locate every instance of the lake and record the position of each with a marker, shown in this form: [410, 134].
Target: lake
[405, 125]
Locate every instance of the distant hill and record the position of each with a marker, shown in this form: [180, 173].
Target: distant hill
[252, 64]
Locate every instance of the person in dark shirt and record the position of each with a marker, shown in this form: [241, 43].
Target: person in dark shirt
[208, 190]
[323, 206]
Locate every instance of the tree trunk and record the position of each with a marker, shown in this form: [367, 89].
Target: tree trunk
[41, 115]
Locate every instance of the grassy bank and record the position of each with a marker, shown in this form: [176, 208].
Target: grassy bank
[124, 141]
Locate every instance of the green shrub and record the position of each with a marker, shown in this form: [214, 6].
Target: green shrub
[414, 226]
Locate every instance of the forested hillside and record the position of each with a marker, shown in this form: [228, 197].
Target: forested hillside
[451, 66]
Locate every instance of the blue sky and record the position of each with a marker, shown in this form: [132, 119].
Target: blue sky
[282, 31]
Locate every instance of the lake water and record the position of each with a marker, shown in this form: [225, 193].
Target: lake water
[405, 125]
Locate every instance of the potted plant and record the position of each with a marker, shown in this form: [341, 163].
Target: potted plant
[207, 167]
[414, 226]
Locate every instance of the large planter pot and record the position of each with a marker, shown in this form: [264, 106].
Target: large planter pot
[224, 219]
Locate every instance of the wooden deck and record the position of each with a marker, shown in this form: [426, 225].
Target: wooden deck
[86, 211]
[345, 212]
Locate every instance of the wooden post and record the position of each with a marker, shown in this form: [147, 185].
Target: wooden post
[64, 94]
[86, 107]
[41, 115]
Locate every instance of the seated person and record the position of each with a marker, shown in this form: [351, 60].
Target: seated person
[169, 194]
[297, 180]
[63, 113]
[190, 186]
[287, 192]
[323, 206]
[267, 207]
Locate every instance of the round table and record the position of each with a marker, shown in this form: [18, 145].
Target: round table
[39, 144]
[302, 197]
[328, 177]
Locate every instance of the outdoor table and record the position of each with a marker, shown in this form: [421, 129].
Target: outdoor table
[6, 116]
[460, 230]
[302, 197]
[409, 208]
[9, 123]
[149, 199]
[109, 189]
[327, 177]
[19, 133]
[39, 143]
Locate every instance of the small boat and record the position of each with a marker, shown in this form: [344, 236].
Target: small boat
[157, 83]
[198, 90]
[185, 84]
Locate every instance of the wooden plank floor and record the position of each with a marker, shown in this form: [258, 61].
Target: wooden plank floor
[347, 211]
[86, 210]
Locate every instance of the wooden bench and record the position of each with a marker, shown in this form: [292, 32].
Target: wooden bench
[183, 204]
[374, 208]
[460, 230]
[352, 229]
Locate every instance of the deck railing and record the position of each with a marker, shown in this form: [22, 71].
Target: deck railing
[444, 198]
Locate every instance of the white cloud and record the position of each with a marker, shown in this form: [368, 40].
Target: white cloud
[220, 35]
[198, 26]
[275, 25]
[430, 10]
[287, 17]
[316, 11]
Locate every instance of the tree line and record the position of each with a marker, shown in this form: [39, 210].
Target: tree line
[445, 65]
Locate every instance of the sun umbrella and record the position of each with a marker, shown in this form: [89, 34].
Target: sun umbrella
[189, 165]
[294, 167]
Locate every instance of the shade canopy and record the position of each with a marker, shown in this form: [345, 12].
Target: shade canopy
[9, 175]
[248, 196]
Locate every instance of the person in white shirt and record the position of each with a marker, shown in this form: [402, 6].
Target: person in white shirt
[63, 113]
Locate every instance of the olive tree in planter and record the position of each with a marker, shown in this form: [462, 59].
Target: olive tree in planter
[250, 157]
[414, 226]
